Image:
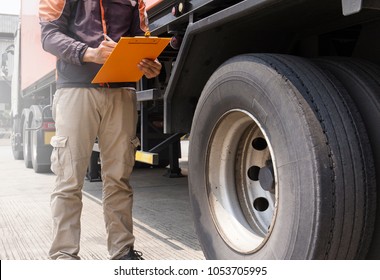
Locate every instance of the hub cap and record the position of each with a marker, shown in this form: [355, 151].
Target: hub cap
[241, 183]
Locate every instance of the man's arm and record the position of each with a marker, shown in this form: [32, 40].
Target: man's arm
[100, 54]
[54, 20]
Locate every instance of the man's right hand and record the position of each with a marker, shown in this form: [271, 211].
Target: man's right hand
[100, 54]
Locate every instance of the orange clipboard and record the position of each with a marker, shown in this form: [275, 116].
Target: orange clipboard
[121, 65]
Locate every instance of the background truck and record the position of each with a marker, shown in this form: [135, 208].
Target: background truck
[281, 101]
[32, 93]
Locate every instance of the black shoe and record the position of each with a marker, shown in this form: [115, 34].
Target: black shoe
[132, 255]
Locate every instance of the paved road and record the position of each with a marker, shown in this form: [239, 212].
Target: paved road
[162, 216]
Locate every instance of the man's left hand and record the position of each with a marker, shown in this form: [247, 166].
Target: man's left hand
[150, 68]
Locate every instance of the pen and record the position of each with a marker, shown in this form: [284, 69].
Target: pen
[108, 38]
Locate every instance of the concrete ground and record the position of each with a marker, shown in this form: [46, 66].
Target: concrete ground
[163, 224]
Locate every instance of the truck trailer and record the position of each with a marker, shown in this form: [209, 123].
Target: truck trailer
[281, 102]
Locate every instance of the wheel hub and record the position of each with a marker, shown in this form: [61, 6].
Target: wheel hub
[241, 182]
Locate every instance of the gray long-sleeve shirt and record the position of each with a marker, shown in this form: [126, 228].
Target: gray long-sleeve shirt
[69, 27]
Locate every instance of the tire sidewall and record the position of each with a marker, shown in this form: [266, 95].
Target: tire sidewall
[294, 148]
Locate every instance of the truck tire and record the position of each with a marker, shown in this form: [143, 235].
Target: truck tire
[16, 141]
[279, 164]
[361, 80]
[38, 164]
[26, 140]
[39, 153]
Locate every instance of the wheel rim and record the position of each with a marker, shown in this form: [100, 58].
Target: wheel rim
[241, 184]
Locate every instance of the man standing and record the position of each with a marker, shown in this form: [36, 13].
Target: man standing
[75, 32]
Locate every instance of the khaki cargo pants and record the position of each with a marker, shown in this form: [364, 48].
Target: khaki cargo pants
[82, 114]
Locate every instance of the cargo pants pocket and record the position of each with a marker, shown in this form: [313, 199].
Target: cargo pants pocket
[61, 160]
[135, 142]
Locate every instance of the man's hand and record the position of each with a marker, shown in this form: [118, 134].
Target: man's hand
[100, 54]
[150, 68]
